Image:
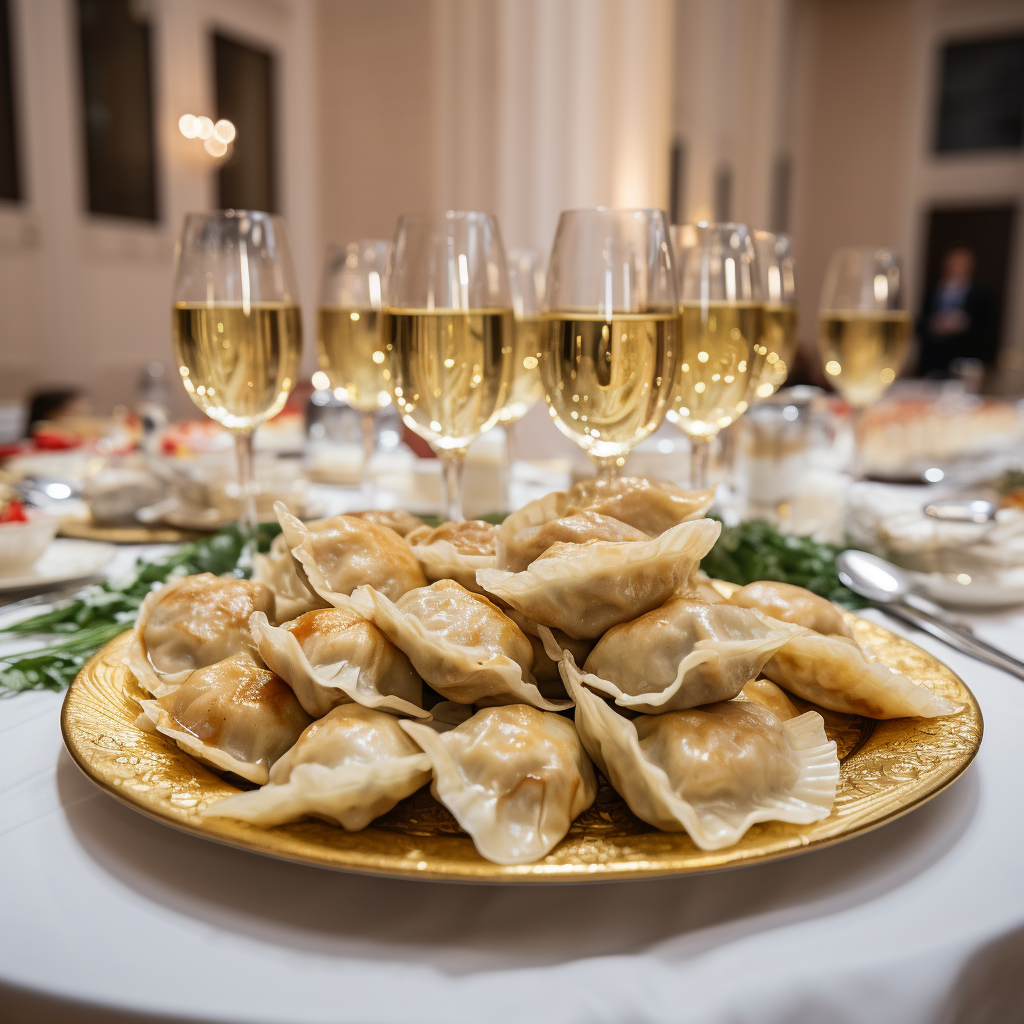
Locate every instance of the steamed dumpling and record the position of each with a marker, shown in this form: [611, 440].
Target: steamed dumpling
[681, 655]
[585, 589]
[349, 767]
[455, 550]
[514, 777]
[526, 545]
[278, 570]
[235, 715]
[652, 506]
[765, 692]
[459, 642]
[193, 622]
[712, 771]
[791, 604]
[334, 656]
[833, 672]
[342, 553]
[402, 522]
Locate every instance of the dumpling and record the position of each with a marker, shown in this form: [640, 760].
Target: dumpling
[765, 692]
[455, 550]
[712, 771]
[833, 672]
[515, 778]
[652, 506]
[681, 655]
[792, 604]
[193, 622]
[278, 570]
[527, 544]
[235, 715]
[463, 646]
[402, 522]
[349, 767]
[585, 589]
[342, 553]
[704, 588]
[334, 656]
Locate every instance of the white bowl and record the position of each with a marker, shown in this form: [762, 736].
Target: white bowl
[21, 544]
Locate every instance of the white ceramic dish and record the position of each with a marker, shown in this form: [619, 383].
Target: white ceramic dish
[23, 543]
[62, 562]
[996, 590]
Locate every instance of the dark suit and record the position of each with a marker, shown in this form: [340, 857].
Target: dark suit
[977, 340]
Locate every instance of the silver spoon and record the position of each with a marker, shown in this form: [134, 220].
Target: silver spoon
[887, 585]
[962, 510]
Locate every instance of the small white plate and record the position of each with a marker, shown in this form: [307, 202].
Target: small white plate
[999, 590]
[63, 561]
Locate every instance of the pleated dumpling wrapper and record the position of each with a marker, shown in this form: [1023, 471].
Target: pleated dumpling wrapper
[460, 643]
[526, 534]
[652, 506]
[585, 589]
[680, 655]
[349, 767]
[790, 603]
[455, 550]
[397, 519]
[712, 771]
[342, 553]
[514, 777]
[293, 595]
[335, 656]
[192, 622]
[236, 716]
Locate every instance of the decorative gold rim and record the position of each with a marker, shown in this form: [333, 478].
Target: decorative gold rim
[84, 528]
[888, 768]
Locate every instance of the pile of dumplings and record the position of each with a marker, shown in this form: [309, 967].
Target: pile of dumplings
[371, 655]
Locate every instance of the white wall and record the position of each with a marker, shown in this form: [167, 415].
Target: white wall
[85, 299]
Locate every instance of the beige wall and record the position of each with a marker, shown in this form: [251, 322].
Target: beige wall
[376, 92]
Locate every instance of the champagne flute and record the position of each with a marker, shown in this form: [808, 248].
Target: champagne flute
[776, 272]
[721, 353]
[863, 329]
[609, 330]
[350, 340]
[237, 329]
[449, 334]
[526, 284]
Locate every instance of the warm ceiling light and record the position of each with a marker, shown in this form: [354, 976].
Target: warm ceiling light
[224, 130]
[204, 128]
[215, 147]
[188, 125]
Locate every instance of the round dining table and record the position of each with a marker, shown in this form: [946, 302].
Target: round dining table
[109, 916]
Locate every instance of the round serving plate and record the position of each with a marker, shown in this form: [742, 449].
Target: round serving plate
[887, 768]
[84, 528]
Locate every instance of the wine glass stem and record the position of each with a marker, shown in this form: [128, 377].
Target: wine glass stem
[452, 466]
[247, 497]
[857, 458]
[511, 454]
[607, 468]
[368, 424]
[700, 461]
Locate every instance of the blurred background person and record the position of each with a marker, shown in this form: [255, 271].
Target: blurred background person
[956, 319]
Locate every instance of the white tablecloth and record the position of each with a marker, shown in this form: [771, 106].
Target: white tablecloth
[106, 915]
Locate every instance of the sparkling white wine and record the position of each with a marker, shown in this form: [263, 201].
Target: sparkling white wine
[238, 365]
[720, 361]
[778, 339]
[526, 387]
[449, 370]
[607, 382]
[351, 351]
[862, 352]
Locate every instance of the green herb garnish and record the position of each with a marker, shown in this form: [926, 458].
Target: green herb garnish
[105, 610]
[756, 550]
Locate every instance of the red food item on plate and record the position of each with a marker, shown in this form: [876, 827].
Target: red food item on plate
[13, 512]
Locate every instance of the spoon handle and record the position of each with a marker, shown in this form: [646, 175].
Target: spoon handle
[962, 641]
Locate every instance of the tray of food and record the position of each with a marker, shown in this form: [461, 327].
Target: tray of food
[561, 698]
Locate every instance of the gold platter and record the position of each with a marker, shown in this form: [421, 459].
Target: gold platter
[84, 528]
[887, 769]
